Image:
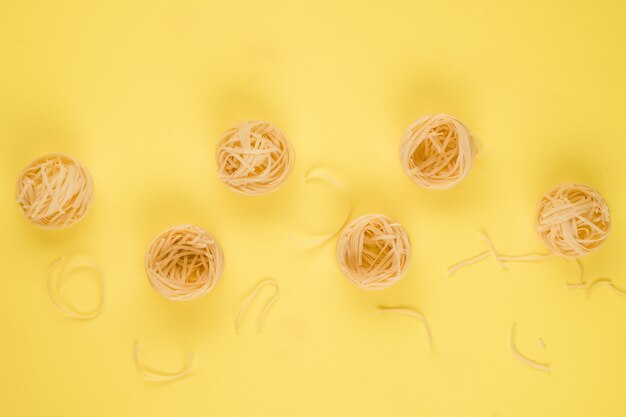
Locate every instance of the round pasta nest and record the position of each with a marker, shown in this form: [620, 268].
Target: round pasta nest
[374, 251]
[254, 158]
[437, 151]
[54, 191]
[184, 262]
[573, 220]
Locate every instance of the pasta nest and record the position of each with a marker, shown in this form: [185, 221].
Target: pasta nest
[374, 251]
[573, 220]
[437, 151]
[184, 262]
[254, 158]
[55, 191]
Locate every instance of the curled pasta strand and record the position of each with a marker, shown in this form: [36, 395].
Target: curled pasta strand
[532, 363]
[266, 308]
[57, 280]
[502, 259]
[411, 312]
[157, 376]
[604, 282]
[320, 174]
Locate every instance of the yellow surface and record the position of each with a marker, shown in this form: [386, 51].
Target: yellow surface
[140, 91]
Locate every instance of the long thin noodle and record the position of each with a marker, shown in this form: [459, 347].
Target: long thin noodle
[411, 312]
[533, 364]
[320, 174]
[157, 376]
[266, 308]
[581, 277]
[502, 259]
[604, 282]
[467, 262]
[56, 281]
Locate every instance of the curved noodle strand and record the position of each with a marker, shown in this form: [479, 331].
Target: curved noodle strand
[502, 259]
[411, 312]
[266, 308]
[157, 376]
[320, 174]
[533, 364]
[604, 282]
[56, 281]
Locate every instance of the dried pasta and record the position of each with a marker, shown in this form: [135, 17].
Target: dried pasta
[254, 158]
[532, 363]
[266, 308]
[58, 274]
[604, 282]
[573, 220]
[319, 174]
[437, 151]
[411, 312]
[374, 251]
[54, 191]
[184, 262]
[502, 259]
[157, 376]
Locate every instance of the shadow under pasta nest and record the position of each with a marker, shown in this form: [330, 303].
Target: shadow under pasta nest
[431, 93]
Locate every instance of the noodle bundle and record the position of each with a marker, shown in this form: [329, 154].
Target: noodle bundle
[254, 158]
[374, 251]
[573, 220]
[54, 191]
[437, 151]
[184, 262]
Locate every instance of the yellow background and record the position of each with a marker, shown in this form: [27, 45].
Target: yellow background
[140, 91]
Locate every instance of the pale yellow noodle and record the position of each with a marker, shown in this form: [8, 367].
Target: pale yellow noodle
[319, 174]
[604, 282]
[251, 297]
[54, 191]
[160, 376]
[374, 251]
[254, 158]
[533, 364]
[410, 312]
[56, 281]
[184, 262]
[502, 259]
[437, 151]
[573, 220]
[471, 261]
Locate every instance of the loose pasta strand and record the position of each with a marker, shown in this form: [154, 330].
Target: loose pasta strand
[604, 282]
[532, 363]
[56, 281]
[502, 259]
[470, 261]
[411, 312]
[320, 174]
[157, 376]
[266, 308]
[581, 277]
